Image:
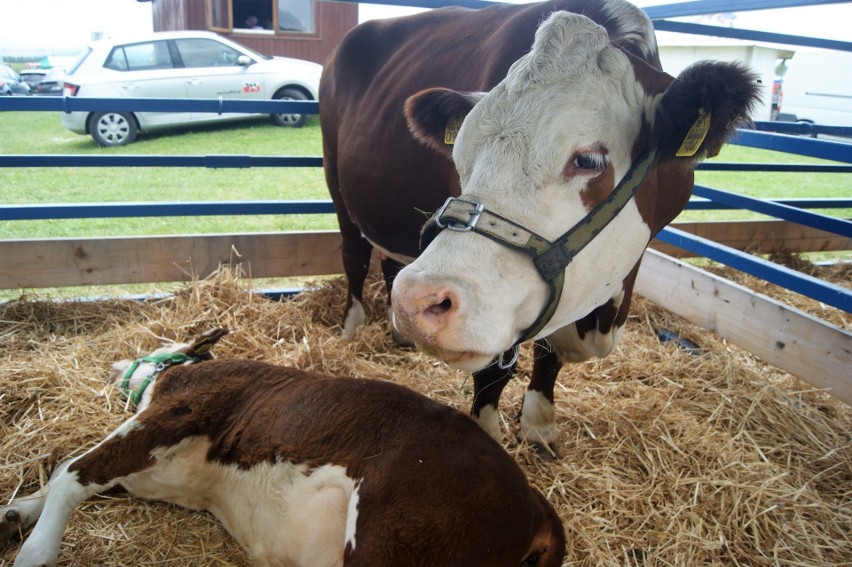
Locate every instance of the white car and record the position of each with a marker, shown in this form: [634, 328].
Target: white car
[188, 64]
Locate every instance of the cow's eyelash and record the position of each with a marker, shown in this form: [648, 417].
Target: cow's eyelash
[590, 161]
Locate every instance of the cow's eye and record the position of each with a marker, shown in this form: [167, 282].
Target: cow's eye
[590, 161]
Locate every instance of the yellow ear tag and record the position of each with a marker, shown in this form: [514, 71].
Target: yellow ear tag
[452, 129]
[695, 136]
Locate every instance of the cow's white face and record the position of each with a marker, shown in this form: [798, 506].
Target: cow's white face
[542, 148]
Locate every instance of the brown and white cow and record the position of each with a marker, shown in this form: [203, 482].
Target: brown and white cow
[303, 470]
[561, 114]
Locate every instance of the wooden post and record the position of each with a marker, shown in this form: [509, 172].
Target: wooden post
[807, 347]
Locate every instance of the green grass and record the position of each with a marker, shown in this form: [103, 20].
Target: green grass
[770, 185]
[42, 133]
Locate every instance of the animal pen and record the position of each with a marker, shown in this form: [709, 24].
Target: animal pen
[718, 433]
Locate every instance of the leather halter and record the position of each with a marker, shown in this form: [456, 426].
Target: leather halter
[549, 257]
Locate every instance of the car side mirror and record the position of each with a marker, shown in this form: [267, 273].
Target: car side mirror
[244, 60]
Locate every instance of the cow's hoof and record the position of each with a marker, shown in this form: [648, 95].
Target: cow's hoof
[548, 452]
[10, 525]
[353, 320]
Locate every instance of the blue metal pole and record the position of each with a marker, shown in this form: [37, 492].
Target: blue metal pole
[127, 210]
[778, 210]
[814, 288]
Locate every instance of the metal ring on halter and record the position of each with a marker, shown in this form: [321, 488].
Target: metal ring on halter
[459, 227]
[516, 351]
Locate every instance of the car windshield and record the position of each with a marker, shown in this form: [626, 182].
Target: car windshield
[33, 78]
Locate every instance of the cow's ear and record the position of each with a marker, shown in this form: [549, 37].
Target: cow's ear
[700, 110]
[435, 115]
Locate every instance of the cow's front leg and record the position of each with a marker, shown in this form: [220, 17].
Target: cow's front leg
[538, 415]
[356, 264]
[488, 384]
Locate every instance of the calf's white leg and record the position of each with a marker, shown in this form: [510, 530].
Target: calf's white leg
[65, 494]
[51, 507]
[23, 512]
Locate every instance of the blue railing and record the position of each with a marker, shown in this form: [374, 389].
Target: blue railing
[213, 106]
[792, 280]
[302, 207]
[215, 161]
[798, 282]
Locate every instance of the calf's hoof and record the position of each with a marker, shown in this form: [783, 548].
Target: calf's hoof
[10, 525]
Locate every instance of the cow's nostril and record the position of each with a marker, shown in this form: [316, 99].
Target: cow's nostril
[440, 308]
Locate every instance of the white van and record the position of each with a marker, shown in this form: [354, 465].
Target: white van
[817, 88]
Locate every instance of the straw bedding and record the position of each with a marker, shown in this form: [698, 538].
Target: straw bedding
[670, 458]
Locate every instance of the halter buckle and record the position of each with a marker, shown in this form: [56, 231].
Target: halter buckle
[478, 209]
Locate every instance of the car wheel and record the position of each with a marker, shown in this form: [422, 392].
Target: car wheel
[292, 120]
[112, 128]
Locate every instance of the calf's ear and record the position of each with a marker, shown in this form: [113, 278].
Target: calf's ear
[701, 109]
[435, 115]
[200, 347]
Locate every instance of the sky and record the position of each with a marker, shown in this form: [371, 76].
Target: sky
[66, 25]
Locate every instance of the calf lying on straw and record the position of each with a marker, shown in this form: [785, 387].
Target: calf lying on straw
[303, 469]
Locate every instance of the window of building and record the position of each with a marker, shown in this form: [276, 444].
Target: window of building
[262, 16]
[296, 16]
[219, 15]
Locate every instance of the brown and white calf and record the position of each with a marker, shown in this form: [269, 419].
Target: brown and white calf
[563, 110]
[304, 470]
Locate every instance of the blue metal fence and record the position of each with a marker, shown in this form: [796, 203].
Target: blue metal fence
[705, 197]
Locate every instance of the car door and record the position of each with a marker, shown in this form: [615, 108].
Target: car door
[147, 70]
[213, 70]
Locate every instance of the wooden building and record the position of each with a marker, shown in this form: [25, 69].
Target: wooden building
[305, 29]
